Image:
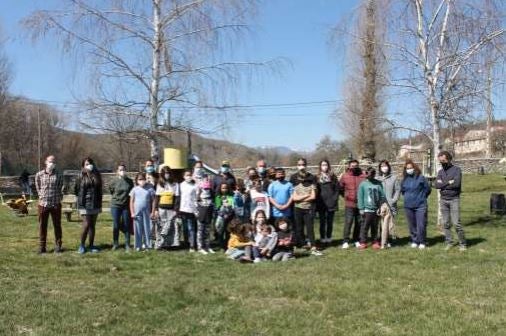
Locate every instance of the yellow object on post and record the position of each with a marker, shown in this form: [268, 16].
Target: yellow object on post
[174, 158]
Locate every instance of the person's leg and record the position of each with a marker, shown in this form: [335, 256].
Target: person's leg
[277, 257]
[200, 235]
[125, 218]
[365, 227]
[445, 218]
[85, 228]
[421, 225]
[299, 227]
[358, 224]
[330, 224]
[374, 227]
[247, 252]
[138, 232]
[348, 222]
[43, 218]
[146, 228]
[455, 216]
[256, 252]
[286, 256]
[322, 216]
[91, 232]
[384, 231]
[56, 218]
[190, 227]
[116, 222]
[308, 226]
[411, 219]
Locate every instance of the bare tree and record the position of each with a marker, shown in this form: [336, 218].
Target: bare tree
[435, 51]
[147, 56]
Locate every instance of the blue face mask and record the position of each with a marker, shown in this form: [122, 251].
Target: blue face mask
[150, 169]
[261, 170]
[224, 170]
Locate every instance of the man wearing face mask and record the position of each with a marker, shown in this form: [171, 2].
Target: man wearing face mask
[49, 185]
[225, 176]
[448, 182]
[304, 197]
[350, 181]
[262, 173]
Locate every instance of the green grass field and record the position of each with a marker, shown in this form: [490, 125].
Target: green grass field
[392, 292]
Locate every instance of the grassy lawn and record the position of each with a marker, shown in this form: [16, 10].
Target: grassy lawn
[393, 292]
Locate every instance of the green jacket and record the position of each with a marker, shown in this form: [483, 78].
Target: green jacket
[370, 195]
[120, 189]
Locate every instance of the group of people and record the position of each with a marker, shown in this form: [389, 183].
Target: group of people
[261, 216]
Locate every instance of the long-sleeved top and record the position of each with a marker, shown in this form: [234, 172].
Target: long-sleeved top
[259, 201]
[88, 190]
[370, 195]
[392, 188]
[415, 190]
[49, 188]
[120, 189]
[236, 241]
[349, 187]
[328, 192]
[285, 242]
[449, 190]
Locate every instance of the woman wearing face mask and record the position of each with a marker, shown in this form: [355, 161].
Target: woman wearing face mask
[188, 208]
[88, 189]
[120, 189]
[415, 190]
[392, 188]
[165, 210]
[326, 200]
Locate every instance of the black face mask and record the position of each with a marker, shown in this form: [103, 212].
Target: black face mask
[446, 165]
[356, 171]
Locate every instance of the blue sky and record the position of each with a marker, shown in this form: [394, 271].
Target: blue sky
[297, 30]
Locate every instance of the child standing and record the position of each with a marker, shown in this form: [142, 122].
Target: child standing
[188, 207]
[284, 247]
[370, 197]
[224, 207]
[165, 210]
[141, 201]
[204, 214]
[259, 200]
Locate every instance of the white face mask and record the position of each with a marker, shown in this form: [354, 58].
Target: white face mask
[89, 167]
[325, 168]
[410, 171]
[166, 177]
[121, 173]
[283, 227]
[384, 169]
[50, 165]
[188, 179]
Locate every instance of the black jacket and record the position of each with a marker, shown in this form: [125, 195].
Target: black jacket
[89, 193]
[328, 194]
[449, 190]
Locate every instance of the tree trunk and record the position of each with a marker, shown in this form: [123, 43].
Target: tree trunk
[489, 150]
[154, 142]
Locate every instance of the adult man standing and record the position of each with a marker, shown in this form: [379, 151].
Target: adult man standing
[349, 182]
[449, 182]
[262, 173]
[49, 185]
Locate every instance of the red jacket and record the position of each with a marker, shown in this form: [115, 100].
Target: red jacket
[349, 185]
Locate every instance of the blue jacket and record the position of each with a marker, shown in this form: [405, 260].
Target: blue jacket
[415, 190]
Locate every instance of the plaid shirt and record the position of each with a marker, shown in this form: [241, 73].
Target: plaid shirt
[49, 188]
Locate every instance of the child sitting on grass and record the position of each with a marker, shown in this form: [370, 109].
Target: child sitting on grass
[240, 243]
[284, 247]
[265, 242]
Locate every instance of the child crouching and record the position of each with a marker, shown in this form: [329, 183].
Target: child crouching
[284, 246]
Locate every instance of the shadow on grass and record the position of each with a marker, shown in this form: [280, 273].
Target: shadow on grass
[487, 220]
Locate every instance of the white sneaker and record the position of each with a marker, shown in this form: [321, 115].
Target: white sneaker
[192, 250]
[389, 245]
[257, 260]
[202, 251]
[414, 245]
[210, 251]
[421, 246]
[315, 252]
[357, 244]
[345, 246]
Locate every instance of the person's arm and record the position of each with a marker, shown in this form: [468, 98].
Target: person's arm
[342, 185]
[267, 207]
[37, 183]
[77, 185]
[455, 181]
[440, 181]
[312, 196]
[132, 199]
[272, 243]
[360, 198]
[427, 187]
[397, 191]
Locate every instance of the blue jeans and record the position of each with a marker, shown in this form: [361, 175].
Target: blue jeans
[417, 220]
[190, 226]
[142, 229]
[120, 221]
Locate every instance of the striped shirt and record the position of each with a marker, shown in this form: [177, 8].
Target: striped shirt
[49, 188]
